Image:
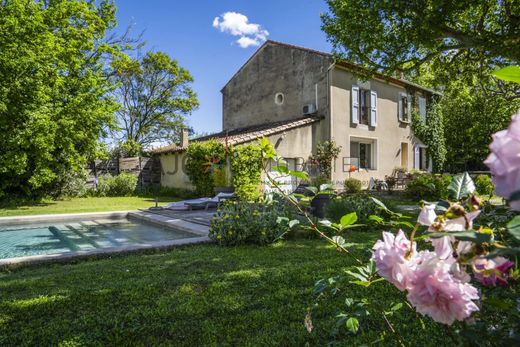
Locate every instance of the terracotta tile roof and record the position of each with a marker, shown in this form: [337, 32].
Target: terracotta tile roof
[246, 134]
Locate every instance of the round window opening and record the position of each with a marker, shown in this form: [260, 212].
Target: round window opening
[279, 98]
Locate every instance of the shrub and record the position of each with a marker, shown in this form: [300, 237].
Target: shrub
[317, 181]
[70, 185]
[237, 223]
[124, 184]
[362, 204]
[246, 165]
[352, 185]
[484, 185]
[181, 193]
[426, 186]
[202, 159]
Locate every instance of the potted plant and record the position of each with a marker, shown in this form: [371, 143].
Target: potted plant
[323, 193]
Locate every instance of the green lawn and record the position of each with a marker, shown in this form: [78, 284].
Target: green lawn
[201, 295]
[78, 205]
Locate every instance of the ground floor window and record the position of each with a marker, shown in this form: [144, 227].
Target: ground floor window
[421, 161]
[363, 151]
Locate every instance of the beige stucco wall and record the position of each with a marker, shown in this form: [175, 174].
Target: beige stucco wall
[172, 171]
[389, 132]
[296, 143]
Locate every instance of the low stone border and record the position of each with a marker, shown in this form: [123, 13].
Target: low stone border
[69, 256]
[169, 222]
[17, 220]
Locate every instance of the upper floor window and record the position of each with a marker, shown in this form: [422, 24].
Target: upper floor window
[405, 107]
[364, 106]
[422, 108]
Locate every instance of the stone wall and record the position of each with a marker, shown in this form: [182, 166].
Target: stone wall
[250, 97]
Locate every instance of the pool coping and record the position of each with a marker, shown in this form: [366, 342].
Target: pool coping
[199, 231]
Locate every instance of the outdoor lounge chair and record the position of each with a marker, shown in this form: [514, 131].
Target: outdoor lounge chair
[200, 203]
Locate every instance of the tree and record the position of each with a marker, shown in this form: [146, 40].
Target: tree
[470, 117]
[53, 95]
[452, 46]
[458, 37]
[155, 96]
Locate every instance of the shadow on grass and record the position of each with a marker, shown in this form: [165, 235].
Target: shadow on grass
[16, 205]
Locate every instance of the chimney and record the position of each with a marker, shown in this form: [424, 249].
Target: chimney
[184, 138]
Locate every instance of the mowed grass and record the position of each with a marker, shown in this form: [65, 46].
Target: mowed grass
[79, 205]
[201, 295]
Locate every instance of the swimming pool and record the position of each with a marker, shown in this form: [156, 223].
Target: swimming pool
[39, 238]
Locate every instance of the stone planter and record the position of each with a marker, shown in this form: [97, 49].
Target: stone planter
[318, 204]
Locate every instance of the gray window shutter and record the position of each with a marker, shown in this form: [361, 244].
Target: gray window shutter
[400, 107]
[409, 98]
[373, 108]
[355, 104]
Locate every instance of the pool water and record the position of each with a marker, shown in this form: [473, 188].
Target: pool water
[83, 235]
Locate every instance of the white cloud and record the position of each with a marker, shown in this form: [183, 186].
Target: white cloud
[245, 42]
[237, 24]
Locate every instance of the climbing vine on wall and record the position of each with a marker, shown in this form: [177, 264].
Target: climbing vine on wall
[206, 159]
[246, 166]
[203, 158]
[431, 133]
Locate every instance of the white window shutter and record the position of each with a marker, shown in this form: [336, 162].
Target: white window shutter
[422, 107]
[355, 104]
[373, 108]
[416, 157]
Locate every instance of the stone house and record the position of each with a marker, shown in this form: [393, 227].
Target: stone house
[298, 97]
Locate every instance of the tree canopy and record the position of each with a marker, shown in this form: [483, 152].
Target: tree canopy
[155, 95]
[452, 46]
[466, 36]
[53, 95]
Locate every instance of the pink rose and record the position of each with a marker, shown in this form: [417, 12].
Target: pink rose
[427, 215]
[489, 272]
[504, 161]
[440, 289]
[443, 245]
[390, 256]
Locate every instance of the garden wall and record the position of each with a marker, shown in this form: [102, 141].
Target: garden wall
[148, 170]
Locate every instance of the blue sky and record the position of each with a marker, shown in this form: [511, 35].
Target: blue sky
[185, 30]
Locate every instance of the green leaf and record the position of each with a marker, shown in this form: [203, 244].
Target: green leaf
[353, 325]
[293, 223]
[503, 252]
[472, 236]
[378, 202]
[461, 186]
[509, 73]
[397, 307]
[513, 227]
[314, 190]
[281, 170]
[326, 187]
[376, 219]
[280, 220]
[356, 275]
[340, 241]
[349, 219]
[349, 301]
[299, 174]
